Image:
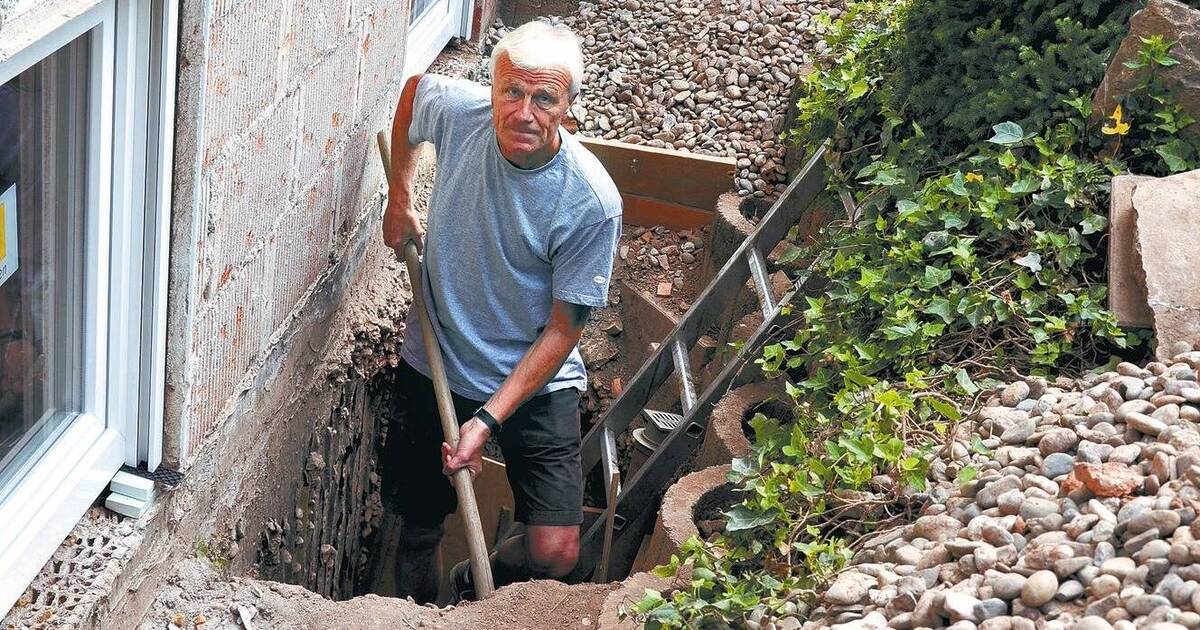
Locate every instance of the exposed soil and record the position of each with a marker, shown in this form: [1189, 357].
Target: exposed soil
[199, 598]
[709, 512]
[657, 256]
[653, 260]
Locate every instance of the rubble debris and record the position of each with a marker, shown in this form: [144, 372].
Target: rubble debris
[597, 351]
[664, 289]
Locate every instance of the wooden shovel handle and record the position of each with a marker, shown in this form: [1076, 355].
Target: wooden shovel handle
[481, 568]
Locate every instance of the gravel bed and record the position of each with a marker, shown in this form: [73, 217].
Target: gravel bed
[1083, 517]
[713, 77]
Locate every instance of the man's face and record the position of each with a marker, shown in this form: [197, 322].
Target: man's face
[527, 107]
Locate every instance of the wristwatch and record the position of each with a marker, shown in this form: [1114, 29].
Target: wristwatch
[488, 420]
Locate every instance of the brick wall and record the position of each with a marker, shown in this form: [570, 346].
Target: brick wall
[276, 174]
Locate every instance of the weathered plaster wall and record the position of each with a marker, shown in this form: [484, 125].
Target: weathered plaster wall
[276, 173]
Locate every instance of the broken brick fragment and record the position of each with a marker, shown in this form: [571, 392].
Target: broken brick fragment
[1110, 479]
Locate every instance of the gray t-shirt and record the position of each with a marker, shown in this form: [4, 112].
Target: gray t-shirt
[502, 242]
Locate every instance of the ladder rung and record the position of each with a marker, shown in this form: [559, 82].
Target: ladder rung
[634, 509]
[762, 286]
[687, 392]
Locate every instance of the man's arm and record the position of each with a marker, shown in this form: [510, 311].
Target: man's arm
[400, 221]
[540, 363]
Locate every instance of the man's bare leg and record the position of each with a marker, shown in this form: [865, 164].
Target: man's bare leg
[543, 551]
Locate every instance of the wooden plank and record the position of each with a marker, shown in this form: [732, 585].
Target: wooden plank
[648, 212]
[686, 179]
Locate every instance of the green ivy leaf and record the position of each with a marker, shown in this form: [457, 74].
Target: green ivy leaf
[948, 411]
[958, 185]
[1023, 186]
[1174, 153]
[859, 88]
[890, 450]
[860, 448]
[741, 518]
[701, 573]
[934, 276]
[1093, 224]
[965, 382]
[941, 307]
[743, 465]
[966, 475]
[1007, 134]
[1031, 261]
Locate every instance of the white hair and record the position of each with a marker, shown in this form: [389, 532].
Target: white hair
[536, 45]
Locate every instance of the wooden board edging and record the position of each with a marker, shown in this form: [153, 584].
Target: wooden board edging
[649, 212]
[684, 179]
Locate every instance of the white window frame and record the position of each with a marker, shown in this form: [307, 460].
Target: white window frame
[429, 32]
[130, 141]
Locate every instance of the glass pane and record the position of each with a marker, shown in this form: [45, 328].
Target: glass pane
[419, 7]
[43, 191]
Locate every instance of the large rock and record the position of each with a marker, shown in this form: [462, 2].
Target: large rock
[1175, 22]
[1168, 220]
[1109, 479]
[850, 588]
[1126, 280]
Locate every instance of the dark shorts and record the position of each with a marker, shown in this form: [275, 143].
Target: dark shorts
[540, 443]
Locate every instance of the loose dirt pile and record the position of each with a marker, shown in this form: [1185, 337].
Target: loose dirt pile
[1083, 516]
[708, 76]
[198, 598]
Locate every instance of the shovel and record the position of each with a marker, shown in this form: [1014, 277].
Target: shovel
[481, 569]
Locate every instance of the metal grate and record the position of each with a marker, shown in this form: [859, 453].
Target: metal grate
[167, 477]
[663, 422]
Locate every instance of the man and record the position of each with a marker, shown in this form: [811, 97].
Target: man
[523, 225]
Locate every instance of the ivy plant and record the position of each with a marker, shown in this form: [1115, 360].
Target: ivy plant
[954, 271]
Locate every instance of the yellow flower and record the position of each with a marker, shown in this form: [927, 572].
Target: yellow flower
[974, 177]
[1119, 126]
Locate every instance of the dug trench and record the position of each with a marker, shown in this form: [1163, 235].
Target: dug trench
[315, 545]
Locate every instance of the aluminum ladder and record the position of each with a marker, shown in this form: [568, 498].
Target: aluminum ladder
[635, 503]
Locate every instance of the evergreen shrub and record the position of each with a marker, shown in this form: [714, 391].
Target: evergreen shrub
[965, 64]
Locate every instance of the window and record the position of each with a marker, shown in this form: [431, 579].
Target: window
[85, 150]
[43, 198]
[431, 24]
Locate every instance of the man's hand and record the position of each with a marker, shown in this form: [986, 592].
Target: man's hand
[401, 225]
[469, 455]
